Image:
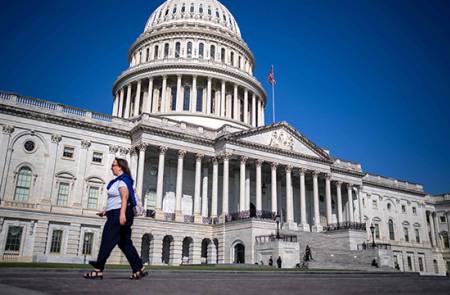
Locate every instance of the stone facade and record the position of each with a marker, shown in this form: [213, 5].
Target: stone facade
[210, 174]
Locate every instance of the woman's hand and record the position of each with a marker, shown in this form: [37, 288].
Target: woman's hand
[101, 213]
[123, 219]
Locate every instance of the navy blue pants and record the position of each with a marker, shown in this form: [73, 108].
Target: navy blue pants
[115, 234]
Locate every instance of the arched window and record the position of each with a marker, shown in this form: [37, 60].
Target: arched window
[177, 49]
[200, 10]
[209, 10]
[23, 184]
[167, 12]
[173, 105]
[199, 99]
[192, 8]
[232, 58]
[391, 229]
[240, 62]
[212, 52]
[155, 54]
[201, 50]
[222, 55]
[166, 50]
[189, 49]
[183, 9]
[148, 54]
[217, 13]
[187, 98]
[174, 9]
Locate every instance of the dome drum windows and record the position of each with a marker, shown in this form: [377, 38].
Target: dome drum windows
[201, 50]
[177, 50]
[189, 49]
[166, 50]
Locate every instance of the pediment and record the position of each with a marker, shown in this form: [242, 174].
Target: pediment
[283, 137]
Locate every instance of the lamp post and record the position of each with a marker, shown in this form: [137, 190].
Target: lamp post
[278, 219]
[372, 230]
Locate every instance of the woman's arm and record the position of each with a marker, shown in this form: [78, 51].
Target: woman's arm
[124, 196]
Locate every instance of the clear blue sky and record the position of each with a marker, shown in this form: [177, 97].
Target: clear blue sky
[369, 80]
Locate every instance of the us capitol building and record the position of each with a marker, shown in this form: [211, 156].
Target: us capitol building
[188, 114]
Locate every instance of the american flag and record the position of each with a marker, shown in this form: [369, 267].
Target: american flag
[271, 77]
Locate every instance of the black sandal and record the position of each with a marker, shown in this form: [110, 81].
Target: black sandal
[93, 275]
[139, 275]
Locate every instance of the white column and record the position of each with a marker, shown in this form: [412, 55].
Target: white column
[317, 227]
[246, 106]
[274, 187]
[339, 201]
[359, 196]
[222, 100]
[436, 228]
[433, 232]
[205, 192]
[81, 174]
[258, 188]
[5, 153]
[197, 190]
[179, 98]
[122, 94]
[194, 94]
[133, 163]
[160, 182]
[350, 203]
[259, 113]
[226, 159]
[263, 115]
[289, 197]
[140, 174]
[208, 96]
[254, 124]
[137, 100]
[328, 198]
[304, 223]
[164, 95]
[247, 190]
[147, 107]
[116, 105]
[215, 187]
[128, 102]
[242, 199]
[179, 189]
[235, 103]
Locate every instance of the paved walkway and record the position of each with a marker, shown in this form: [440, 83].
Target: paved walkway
[50, 281]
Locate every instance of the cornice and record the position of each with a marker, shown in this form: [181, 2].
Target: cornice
[64, 121]
[383, 186]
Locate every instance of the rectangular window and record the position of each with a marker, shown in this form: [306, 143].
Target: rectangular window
[97, 157]
[55, 246]
[93, 197]
[420, 264]
[409, 263]
[13, 239]
[68, 152]
[377, 231]
[199, 99]
[374, 204]
[406, 232]
[88, 241]
[442, 219]
[417, 235]
[414, 210]
[63, 194]
[403, 209]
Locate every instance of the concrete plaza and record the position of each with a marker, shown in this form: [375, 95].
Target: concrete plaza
[63, 281]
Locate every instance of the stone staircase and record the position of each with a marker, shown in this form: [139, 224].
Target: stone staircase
[331, 252]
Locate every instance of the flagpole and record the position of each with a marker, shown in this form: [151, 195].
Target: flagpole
[273, 96]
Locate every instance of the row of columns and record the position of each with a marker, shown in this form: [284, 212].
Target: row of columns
[434, 228]
[201, 189]
[151, 104]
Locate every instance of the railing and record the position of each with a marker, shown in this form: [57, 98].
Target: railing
[244, 215]
[188, 219]
[360, 226]
[102, 117]
[169, 216]
[271, 238]
[370, 245]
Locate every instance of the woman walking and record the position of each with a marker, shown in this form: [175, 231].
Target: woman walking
[117, 230]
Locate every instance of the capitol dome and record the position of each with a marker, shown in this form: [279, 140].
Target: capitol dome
[204, 12]
[191, 65]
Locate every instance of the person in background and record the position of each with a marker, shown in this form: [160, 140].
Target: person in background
[117, 229]
[279, 262]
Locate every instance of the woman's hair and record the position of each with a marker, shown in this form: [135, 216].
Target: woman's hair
[124, 165]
